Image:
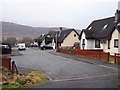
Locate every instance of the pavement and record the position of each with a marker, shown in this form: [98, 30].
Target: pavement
[86, 60]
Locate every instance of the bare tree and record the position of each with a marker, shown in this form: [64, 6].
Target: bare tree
[10, 40]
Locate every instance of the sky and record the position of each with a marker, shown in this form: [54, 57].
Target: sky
[76, 14]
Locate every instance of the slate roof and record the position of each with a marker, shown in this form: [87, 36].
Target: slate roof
[64, 33]
[99, 29]
[41, 38]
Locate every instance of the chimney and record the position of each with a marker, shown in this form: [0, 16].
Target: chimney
[119, 5]
[61, 28]
[117, 15]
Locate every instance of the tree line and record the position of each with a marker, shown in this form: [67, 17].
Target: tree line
[12, 40]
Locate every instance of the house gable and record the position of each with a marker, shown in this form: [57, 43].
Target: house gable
[64, 34]
[70, 39]
[111, 48]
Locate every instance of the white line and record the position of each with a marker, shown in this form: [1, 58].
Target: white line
[90, 77]
[108, 67]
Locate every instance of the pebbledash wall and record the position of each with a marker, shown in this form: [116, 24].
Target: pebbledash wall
[112, 50]
[70, 40]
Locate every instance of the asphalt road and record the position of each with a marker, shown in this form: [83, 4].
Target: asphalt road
[66, 72]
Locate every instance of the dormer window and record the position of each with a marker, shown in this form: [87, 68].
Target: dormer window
[89, 28]
[105, 26]
[64, 35]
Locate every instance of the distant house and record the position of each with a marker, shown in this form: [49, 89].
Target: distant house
[67, 38]
[48, 39]
[102, 35]
[51, 38]
[41, 39]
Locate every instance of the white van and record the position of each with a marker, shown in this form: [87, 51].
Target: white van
[21, 46]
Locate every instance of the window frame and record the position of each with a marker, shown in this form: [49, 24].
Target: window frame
[97, 43]
[108, 44]
[75, 35]
[116, 43]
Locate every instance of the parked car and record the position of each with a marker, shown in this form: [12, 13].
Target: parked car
[21, 46]
[46, 47]
[34, 44]
[5, 49]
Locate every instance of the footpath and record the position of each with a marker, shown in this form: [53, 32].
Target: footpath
[101, 63]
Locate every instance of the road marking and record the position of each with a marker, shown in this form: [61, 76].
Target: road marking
[90, 77]
[108, 67]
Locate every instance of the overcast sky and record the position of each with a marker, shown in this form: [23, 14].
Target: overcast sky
[55, 13]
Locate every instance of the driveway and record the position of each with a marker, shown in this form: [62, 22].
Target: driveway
[63, 70]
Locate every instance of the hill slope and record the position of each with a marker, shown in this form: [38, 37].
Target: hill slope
[11, 29]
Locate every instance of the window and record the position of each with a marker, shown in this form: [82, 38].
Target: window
[116, 42]
[83, 42]
[97, 43]
[74, 35]
[108, 44]
[105, 26]
[89, 28]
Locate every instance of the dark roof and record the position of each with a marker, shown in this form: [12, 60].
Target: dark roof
[118, 29]
[41, 38]
[51, 36]
[64, 33]
[101, 28]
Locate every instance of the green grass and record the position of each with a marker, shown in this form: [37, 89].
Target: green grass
[111, 59]
[11, 86]
[42, 75]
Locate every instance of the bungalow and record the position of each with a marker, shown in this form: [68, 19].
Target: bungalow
[67, 38]
[41, 40]
[48, 39]
[91, 36]
[102, 35]
[51, 38]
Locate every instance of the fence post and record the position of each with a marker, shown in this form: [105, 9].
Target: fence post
[115, 57]
[10, 64]
[108, 56]
[14, 68]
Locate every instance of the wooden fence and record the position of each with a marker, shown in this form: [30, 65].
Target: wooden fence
[7, 63]
[87, 53]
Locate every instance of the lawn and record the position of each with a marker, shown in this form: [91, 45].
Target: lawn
[111, 59]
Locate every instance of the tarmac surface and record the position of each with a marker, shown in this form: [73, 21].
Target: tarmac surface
[67, 71]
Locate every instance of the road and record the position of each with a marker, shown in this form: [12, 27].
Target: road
[66, 72]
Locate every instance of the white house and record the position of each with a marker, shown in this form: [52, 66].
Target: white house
[67, 38]
[95, 34]
[102, 35]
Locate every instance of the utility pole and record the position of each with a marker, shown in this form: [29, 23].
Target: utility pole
[56, 42]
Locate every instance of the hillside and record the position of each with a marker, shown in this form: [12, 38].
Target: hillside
[11, 29]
